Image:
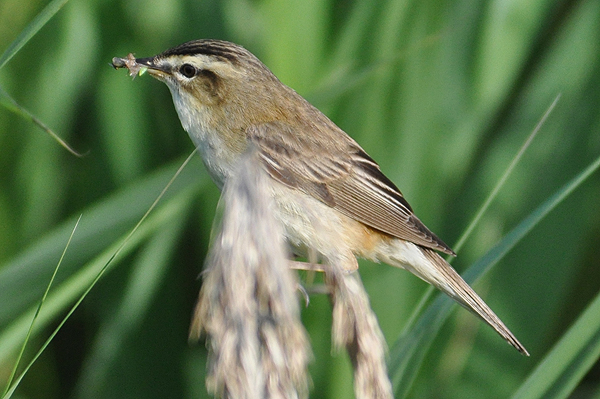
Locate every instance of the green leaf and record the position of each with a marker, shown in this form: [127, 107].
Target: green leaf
[23, 279]
[9, 103]
[570, 359]
[146, 276]
[79, 285]
[9, 389]
[34, 26]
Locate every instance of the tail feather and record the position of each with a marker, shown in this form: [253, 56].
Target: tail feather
[464, 294]
[432, 268]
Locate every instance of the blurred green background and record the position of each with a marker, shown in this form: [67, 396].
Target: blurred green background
[441, 93]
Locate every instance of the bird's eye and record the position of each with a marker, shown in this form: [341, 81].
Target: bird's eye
[187, 70]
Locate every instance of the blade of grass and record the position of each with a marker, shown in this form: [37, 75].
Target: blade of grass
[30, 30]
[162, 193]
[37, 312]
[566, 364]
[71, 290]
[147, 275]
[409, 350]
[9, 103]
[505, 176]
[105, 222]
[98, 276]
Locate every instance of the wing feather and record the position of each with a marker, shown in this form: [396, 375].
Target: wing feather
[339, 173]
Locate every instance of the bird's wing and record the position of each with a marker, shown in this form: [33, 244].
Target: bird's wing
[338, 172]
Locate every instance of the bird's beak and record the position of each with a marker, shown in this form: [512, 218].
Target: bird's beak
[154, 67]
[137, 66]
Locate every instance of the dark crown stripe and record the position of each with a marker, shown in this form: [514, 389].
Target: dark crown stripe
[217, 48]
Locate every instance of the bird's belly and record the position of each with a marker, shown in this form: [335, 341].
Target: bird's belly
[309, 224]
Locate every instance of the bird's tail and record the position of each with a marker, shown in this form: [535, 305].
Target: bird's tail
[431, 267]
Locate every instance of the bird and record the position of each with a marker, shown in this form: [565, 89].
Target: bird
[330, 196]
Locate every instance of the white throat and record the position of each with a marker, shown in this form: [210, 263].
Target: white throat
[206, 137]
